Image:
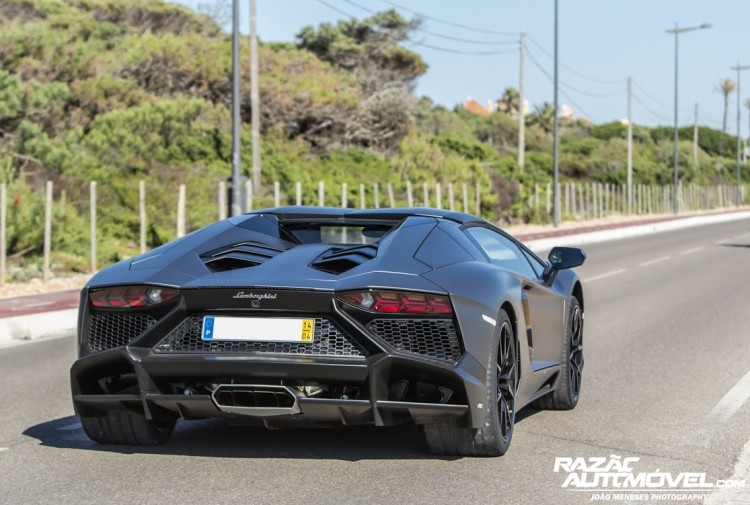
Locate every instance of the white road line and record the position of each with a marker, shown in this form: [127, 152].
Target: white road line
[722, 412]
[3, 449]
[603, 276]
[657, 260]
[691, 251]
[732, 402]
[725, 241]
[744, 235]
[734, 494]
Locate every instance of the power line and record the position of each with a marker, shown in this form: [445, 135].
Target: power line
[333, 7]
[651, 97]
[579, 91]
[444, 22]
[656, 101]
[570, 69]
[418, 43]
[440, 35]
[468, 41]
[552, 80]
[649, 109]
[459, 51]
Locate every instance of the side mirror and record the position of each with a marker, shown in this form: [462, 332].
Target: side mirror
[562, 258]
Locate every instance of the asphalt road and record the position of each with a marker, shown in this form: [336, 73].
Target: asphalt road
[666, 345]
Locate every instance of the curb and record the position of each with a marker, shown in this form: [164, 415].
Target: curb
[544, 244]
[37, 326]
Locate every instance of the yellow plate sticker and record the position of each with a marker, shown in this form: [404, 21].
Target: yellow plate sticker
[307, 330]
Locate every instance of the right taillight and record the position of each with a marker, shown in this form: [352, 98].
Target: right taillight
[397, 302]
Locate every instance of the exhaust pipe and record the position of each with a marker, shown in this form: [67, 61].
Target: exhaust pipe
[255, 400]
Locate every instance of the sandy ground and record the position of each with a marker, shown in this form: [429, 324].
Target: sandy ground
[77, 281]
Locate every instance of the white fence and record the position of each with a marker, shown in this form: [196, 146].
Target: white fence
[578, 201]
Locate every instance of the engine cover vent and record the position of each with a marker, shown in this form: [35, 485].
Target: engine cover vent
[337, 261]
[241, 255]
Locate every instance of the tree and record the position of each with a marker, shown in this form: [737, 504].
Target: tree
[726, 87]
[543, 117]
[370, 48]
[509, 102]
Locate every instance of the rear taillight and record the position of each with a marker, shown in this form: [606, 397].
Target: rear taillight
[130, 297]
[397, 302]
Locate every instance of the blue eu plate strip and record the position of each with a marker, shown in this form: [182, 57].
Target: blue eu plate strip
[208, 328]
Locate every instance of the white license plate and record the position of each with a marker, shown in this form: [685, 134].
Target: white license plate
[257, 329]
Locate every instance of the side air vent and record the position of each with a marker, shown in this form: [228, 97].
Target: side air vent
[337, 261]
[242, 255]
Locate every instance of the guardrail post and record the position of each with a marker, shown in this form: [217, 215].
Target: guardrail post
[181, 211]
[92, 229]
[3, 238]
[47, 230]
[142, 214]
[222, 200]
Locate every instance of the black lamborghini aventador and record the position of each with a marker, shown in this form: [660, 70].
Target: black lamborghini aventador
[303, 316]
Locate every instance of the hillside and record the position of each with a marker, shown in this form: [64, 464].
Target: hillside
[120, 91]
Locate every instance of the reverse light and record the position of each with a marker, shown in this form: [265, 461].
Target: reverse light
[130, 297]
[397, 302]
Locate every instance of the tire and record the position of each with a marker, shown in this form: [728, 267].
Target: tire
[493, 439]
[121, 428]
[568, 390]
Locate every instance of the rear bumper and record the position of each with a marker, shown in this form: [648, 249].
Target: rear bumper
[153, 373]
[374, 376]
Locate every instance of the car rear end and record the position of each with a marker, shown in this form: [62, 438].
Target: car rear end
[272, 356]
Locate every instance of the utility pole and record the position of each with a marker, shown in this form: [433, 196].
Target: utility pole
[676, 156]
[738, 190]
[695, 135]
[630, 145]
[236, 209]
[521, 117]
[556, 140]
[254, 97]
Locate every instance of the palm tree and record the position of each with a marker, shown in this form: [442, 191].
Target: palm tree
[726, 87]
[543, 117]
[509, 102]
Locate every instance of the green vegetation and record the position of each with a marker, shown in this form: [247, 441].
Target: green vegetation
[119, 91]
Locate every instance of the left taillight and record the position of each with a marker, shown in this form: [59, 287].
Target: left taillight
[130, 297]
[397, 302]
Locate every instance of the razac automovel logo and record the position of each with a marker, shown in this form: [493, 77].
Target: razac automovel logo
[614, 478]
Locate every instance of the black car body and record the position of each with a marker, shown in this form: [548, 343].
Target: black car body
[303, 316]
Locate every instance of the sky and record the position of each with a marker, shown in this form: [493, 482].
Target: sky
[601, 44]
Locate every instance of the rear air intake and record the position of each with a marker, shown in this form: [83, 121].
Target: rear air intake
[236, 256]
[337, 261]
